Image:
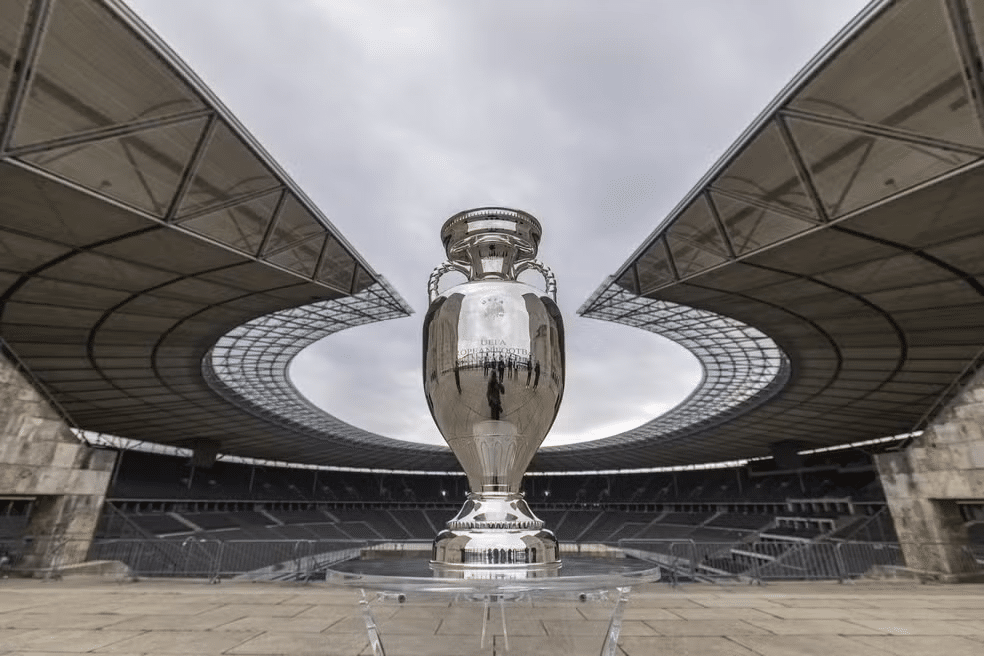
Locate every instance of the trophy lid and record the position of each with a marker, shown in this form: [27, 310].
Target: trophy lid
[519, 228]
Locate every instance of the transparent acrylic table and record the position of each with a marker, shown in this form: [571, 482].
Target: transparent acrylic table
[409, 608]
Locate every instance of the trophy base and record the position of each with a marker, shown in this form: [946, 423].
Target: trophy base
[496, 534]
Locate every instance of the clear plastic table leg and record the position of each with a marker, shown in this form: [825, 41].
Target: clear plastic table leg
[502, 614]
[610, 646]
[371, 629]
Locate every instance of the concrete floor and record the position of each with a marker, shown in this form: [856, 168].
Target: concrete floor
[75, 615]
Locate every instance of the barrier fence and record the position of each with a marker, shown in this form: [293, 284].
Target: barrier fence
[800, 560]
[681, 559]
[249, 559]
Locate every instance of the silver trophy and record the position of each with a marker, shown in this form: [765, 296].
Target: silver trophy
[494, 378]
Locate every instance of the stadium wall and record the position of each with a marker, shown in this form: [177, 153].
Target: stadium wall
[926, 484]
[42, 459]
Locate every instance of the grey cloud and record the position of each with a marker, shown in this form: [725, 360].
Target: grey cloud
[596, 117]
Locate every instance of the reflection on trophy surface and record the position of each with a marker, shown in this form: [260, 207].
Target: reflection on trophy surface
[493, 378]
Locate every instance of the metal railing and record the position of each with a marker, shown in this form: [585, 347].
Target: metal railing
[682, 560]
[218, 559]
[760, 561]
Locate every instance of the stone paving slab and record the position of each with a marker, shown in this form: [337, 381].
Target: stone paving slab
[819, 627]
[411, 627]
[825, 602]
[738, 601]
[427, 612]
[302, 643]
[265, 610]
[7, 637]
[630, 613]
[907, 645]
[922, 627]
[828, 613]
[280, 624]
[337, 612]
[553, 646]
[721, 614]
[635, 628]
[21, 620]
[473, 627]
[556, 628]
[8, 605]
[208, 621]
[684, 646]
[263, 619]
[179, 642]
[51, 653]
[807, 645]
[670, 601]
[704, 628]
[926, 602]
[914, 614]
[443, 646]
[56, 607]
[67, 640]
[570, 613]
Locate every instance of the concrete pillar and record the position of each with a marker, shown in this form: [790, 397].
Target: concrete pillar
[923, 484]
[204, 452]
[41, 458]
[786, 455]
[61, 528]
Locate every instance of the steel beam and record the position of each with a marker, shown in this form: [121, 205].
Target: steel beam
[232, 202]
[716, 215]
[30, 45]
[762, 205]
[802, 170]
[970, 54]
[99, 134]
[191, 167]
[882, 131]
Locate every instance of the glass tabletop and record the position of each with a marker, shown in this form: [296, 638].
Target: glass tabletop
[415, 574]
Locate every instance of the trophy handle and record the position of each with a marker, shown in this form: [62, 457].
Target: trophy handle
[548, 276]
[437, 274]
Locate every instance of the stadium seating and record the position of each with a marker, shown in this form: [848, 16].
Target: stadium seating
[725, 520]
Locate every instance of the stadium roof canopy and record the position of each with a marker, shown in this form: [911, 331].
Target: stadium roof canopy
[158, 270]
[139, 223]
[847, 225]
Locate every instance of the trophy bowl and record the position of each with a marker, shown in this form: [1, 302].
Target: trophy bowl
[493, 377]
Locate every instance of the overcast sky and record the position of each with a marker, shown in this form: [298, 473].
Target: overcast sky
[596, 117]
